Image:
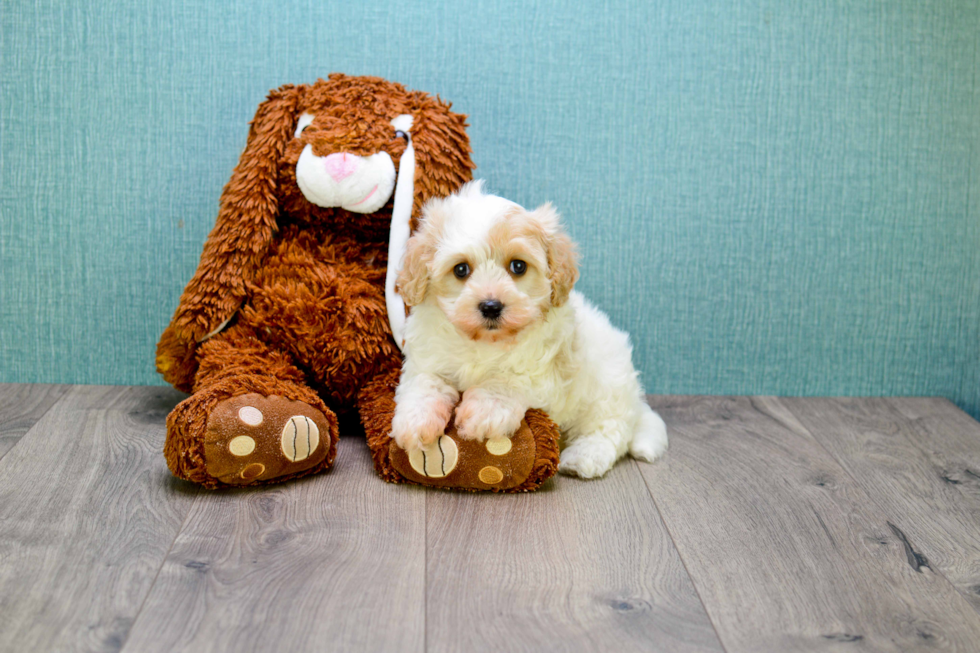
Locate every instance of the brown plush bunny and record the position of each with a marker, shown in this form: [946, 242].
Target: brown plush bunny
[287, 318]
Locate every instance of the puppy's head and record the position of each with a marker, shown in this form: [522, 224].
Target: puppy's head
[493, 267]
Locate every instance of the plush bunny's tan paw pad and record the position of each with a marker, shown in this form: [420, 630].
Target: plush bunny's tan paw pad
[255, 438]
[437, 459]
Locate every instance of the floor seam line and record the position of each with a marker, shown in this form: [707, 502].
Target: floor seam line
[680, 556]
[156, 576]
[163, 563]
[41, 416]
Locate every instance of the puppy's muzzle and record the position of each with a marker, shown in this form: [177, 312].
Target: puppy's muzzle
[491, 309]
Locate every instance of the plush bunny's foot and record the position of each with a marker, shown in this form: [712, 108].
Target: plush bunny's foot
[454, 462]
[254, 438]
[519, 463]
[250, 430]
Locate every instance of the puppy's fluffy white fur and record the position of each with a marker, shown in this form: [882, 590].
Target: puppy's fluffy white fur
[547, 348]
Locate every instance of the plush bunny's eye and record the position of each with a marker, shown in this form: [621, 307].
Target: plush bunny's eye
[305, 121]
[403, 125]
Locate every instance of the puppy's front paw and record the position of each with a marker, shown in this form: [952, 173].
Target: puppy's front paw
[483, 415]
[588, 458]
[420, 424]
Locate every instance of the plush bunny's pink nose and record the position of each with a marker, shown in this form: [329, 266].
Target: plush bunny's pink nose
[340, 165]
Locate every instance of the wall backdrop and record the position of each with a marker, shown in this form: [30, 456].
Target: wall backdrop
[774, 196]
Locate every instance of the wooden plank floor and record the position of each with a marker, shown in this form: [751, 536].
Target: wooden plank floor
[21, 405]
[771, 525]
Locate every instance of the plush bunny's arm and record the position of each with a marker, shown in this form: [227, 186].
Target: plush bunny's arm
[245, 226]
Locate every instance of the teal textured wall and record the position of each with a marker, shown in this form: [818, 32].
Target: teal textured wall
[772, 197]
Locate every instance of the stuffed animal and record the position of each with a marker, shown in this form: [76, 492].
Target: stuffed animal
[291, 325]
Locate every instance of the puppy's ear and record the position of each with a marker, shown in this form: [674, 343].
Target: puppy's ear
[246, 222]
[562, 254]
[413, 277]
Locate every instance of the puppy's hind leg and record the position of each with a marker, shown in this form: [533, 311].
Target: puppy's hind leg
[593, 454]
[650, 439]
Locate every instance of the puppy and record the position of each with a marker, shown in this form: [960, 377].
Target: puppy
[495, 320]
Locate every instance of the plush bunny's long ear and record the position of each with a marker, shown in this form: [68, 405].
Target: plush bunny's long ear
[442, 152]
[246, 223]
[436, 168]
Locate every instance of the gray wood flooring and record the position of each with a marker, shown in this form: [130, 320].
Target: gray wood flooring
[772, 524]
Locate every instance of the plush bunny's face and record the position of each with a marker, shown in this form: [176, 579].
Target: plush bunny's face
[340, 166]
[357, 183]
[354, 171]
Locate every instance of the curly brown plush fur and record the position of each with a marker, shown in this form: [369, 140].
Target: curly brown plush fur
[272, 246]
[288, 300]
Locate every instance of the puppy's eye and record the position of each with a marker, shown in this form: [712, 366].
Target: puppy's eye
[517, 267]
[462, 271]
[402, 135]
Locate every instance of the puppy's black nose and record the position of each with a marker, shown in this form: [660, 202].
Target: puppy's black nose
[491, 309]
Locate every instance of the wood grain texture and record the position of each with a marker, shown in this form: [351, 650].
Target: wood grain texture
[576, 566]
[787, 552]
[334, 561]
[88, 512]
[802, 524]
[21, 405]
[949, 438]
[922, 471]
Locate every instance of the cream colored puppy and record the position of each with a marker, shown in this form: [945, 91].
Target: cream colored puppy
[495, 319]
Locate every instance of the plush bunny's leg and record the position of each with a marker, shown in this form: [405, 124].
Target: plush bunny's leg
[520, 463]
[251, 418]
